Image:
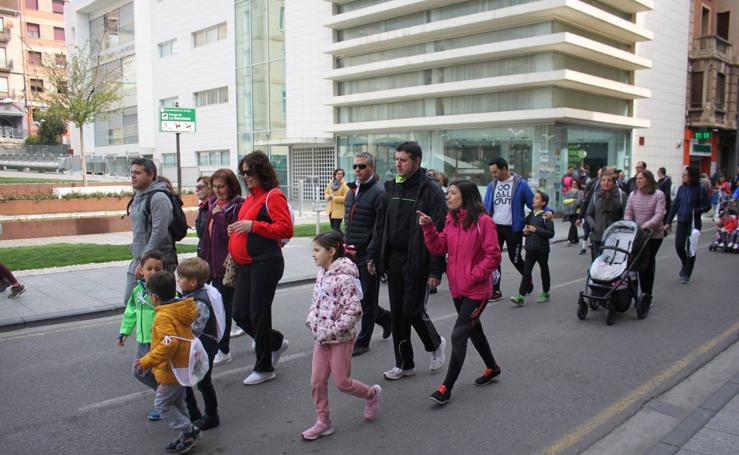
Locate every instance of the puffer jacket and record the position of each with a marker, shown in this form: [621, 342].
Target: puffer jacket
[473, 253]
[647, 210]
[171, 319]
[336, 307]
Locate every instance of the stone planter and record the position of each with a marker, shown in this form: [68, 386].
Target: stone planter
[43, 206]
[7, 189]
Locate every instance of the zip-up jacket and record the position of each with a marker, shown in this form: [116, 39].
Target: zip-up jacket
[139, 312]
[269, 226]
[604, 210]
[151, 231]
[361, 212]
[539, 240]
[201, 224]
[215, 239]
[205, 325]
[690, 202]
[522, 196]
[336, 307]
[473, 253]
[398, 228]
[647, 210]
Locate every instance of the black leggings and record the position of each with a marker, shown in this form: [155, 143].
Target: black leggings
[534, 257]
[646, 277]
[227, 293]
[467, 328]
[252, 307]
[682, 235]
[513, 242]
[572, 235]
[205, 386]
[336, 224]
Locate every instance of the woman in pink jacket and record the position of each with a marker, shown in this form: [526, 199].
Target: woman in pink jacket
[470, 240]
[646, 207]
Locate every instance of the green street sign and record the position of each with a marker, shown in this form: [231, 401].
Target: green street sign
[176, 120]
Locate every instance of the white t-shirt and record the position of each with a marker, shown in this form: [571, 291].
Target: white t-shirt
[502, 202]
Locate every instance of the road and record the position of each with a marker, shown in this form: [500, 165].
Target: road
[67, 389]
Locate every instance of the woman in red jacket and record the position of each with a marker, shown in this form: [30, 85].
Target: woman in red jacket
[470, 240]
[255, 244]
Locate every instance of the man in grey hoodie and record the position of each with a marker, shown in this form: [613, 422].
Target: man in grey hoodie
[150, 230]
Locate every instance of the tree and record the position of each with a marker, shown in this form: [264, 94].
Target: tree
[51, 127]
[82, 90]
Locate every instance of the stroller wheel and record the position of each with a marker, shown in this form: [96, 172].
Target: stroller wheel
[582, 308]
[611, 316]
[642, 306]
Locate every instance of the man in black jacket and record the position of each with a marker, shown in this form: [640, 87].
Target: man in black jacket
[403, 256]
[361, 207]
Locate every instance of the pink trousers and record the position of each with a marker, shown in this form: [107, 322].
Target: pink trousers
[334, 360]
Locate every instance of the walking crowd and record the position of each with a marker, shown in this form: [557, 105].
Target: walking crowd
[407, 231]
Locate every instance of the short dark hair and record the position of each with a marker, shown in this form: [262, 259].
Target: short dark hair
[694, 175]
[259, 161]
[331, 239]
[232, 182]
[153, 254]
[163, 285]
[644, 163]
[337, 170]
[412, 148]
[544, 197]
[499, 162]
[148, 165]
[662, 171]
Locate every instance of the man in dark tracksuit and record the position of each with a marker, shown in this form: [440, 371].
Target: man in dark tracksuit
[403, 256]
[361, 208]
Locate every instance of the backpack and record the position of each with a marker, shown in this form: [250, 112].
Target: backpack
[178, 226]
[216, 302]
[197, 365]
[282, 242]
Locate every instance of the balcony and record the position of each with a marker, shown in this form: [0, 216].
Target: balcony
[712, 46]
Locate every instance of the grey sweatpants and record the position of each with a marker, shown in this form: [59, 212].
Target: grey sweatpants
[169, 401]
[146, 377]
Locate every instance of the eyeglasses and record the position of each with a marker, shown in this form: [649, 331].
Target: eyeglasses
[359, 166]
[200, 187]
[248, 173]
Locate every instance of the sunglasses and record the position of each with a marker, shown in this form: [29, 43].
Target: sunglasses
[200, 187]
[249, 173]
[358, 166]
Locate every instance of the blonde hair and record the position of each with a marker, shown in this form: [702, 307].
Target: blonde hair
[194, 268]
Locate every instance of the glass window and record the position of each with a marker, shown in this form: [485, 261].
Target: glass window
[209, 35]
[4, 85]
[33, 30]
[130, 125]
[213, 96]
[3, 58]
[260, 96]
[696, 89]
[720, 90]
[213, 158]
[57, 6]
[243, 34]
[276, 93]
[127, 25]
[259, 37]
[169, 102]
[31, 4]
[59, 34]
[2, 23]
[60, 59]
[169, 159]
[167, 48]
[34, 58]
[37, 85]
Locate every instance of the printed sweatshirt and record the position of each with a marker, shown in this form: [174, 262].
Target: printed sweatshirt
[337, 306]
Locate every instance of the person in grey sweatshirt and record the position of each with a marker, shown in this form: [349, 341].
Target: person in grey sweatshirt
[150, 230]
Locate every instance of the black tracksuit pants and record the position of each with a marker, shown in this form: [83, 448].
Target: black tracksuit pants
[252, 307]
[372, 313]
[513, 242]
[408, 309]
[646, 277]
[535, 257]
[572, 234]
[682, 235]
[467, 328]
[205, 386]
[227, 294]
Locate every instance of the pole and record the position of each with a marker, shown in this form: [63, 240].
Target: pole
[301, 185]
[179, 168]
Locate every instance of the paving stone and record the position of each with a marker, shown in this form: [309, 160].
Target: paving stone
[726, 421]
[711, 442]
[722, 396]
[688, 427]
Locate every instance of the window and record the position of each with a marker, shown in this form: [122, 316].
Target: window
[117, 127]
[705, 21]
[209, 35]
[114, 28]
[37, 86]
[57, 6]
[214, 96]
[722, 25]
[167, 48]
[60, 59]
[31, 4]
[720, 90]
[169, 102]
[33, 30]
[59, 34]
[696, 89]
[169, 159]
[34, 58]
[4, 85]
[2, 24]
[3, 58]
[214, 158]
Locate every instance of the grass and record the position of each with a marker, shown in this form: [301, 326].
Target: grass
[32, 180]
[62, 254]
[301, 230]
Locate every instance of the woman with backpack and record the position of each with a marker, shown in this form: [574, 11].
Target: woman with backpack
[222, 210]
[255, 244]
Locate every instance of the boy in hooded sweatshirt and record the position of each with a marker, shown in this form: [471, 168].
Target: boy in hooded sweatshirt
[172, 323]
[333, 318]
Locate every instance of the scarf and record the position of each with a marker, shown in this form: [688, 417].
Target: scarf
[335, 184]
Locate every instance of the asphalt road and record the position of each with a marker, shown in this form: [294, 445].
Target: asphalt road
[67, 389]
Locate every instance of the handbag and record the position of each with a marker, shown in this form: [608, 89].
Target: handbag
[232, 271]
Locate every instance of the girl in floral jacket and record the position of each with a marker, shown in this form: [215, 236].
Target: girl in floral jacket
[333, 318]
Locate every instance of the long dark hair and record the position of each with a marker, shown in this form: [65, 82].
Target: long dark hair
[258, 161]
[694, 175]
[651, 182]
[471, 202]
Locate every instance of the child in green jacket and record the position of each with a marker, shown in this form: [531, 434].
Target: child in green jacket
[139, 313]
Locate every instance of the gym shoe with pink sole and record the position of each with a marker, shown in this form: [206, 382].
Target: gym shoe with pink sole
[317, 430]
[373, 404]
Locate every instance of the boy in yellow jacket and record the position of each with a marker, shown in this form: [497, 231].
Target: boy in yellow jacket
[173, 318]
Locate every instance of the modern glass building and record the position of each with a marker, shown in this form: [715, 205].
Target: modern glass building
[546, 84]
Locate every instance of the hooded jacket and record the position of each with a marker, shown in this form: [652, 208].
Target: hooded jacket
[522, 196]
[151, 231]
[473, 254]
[361, 212]
[215, 239]
[139, 313]
[337, 306]
[604, 210]
[171, 319]
[539, 240]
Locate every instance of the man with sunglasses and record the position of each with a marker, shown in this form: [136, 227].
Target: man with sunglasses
[361, 208]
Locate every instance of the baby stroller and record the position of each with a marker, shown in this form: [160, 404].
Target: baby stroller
[613, 278]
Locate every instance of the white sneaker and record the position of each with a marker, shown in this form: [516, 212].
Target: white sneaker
[736, 246]
[397, 373]
[730, 245]
[254, 345]
[236, 331]
[721, 245]
[221, 358]
[438, 357]
[276, 354]
[257, 377]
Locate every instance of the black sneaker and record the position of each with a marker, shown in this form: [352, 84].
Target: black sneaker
[207, 422]
[497, 296]
[188, 440]
[172, 446]
[359, 350]
[583, 251]
[441, 395]
[487, 375]
[16, 291]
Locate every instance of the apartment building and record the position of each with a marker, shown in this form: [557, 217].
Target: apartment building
[713, 94]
